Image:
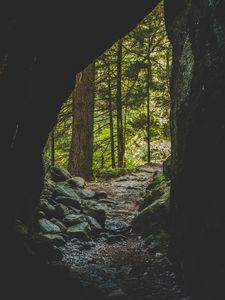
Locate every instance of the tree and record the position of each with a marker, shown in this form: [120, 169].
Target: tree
[132, 102]
[120, 137]
[110, 109]
[81, 150]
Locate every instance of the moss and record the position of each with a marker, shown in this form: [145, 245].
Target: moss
[105, 174]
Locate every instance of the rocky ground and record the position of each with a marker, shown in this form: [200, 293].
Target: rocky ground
[120, 264]
[111, 237]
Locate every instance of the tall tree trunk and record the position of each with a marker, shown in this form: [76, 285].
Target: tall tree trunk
[53, 147]
[81, 151]
[148, 86]
[110, 109]
[120, 106]
[124, 133]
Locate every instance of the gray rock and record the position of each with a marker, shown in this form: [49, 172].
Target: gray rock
[67, 201]
[47, 208]
[63, 190]
[61, 211]
[72, 219]
[81, 231]
[154, 217]
[95, 226]
[95, 210]
[101, 195]
[59, 224]
[47, 226]
[55, 239]
[58, 173]
[76, 182]
[85, 193]
[115, 226]
[74, 210]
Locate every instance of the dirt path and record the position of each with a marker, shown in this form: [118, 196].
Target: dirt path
[120, 265]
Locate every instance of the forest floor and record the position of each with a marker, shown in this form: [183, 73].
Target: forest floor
[121, 266]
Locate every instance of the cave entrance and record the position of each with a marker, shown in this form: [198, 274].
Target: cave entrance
[107, 195]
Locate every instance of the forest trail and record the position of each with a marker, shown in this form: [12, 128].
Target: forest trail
[119, 264]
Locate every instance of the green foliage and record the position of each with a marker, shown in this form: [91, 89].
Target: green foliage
[145, 48]
[146, 44]
[105, 174]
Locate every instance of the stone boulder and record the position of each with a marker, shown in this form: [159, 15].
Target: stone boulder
[47, 226]
[61, 211]
[47, 208]
[114, 226]
[95, 226]
[95, 210]
[154, 194]
[67, 201]
[62, 190]
[59, 224]
[154, 217]
[101, 195]
[85, 193]
[58, 173]
[81, 231]
[76, 182]
[55, 239]
[72, 219]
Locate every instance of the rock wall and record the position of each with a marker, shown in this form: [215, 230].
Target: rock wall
[42, 47]
[197, 31]
[37, 70]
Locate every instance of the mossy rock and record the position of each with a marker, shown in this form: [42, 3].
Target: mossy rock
[63, 190]
[55, 239]
[85, 193]
[95, 226]
[154, 217]
[159, 177]
[153, 194]
[68, 201]
[59, 224]
[81, 231]
[72, 219]
[58, 174]
[76, 182]
[48, 227]
[95, 210]
[148, 200]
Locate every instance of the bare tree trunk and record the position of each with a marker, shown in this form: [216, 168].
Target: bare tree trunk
[110, 109]
[81, 151]
[148, 86]
[120, 106]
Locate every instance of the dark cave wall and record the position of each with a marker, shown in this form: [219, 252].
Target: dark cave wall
[42, 47]
[37, 74]
[197, 32]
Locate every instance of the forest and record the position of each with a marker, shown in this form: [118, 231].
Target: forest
[112, 150]
[118, 113]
